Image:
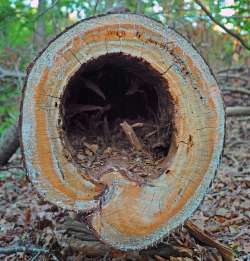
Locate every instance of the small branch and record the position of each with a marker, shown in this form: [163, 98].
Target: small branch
[168, 250]
[25, 249]
[225, 251]
[237, 111]
[95, 7]
[133, 139]
[237, 90]
[233, 34]
[9, 73]
[233, 76]
[45, 11]
[232, 69]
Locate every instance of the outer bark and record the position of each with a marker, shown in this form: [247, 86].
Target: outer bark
[9, 143]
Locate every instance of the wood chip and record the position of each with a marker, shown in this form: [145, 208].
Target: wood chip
[92, 147]
[108, 150]
[137, 125]
[133, 139]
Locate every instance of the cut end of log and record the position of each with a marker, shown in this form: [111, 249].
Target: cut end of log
[122, 120]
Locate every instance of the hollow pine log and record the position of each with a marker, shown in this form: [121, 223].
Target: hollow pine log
[95, 75]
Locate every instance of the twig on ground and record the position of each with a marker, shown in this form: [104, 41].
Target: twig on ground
[232, 69]
[234, 77]
[238, 111]
[25, 249]
[168, 250]
[225, 251]
[232, 158]
[235, 143]
[237, 90]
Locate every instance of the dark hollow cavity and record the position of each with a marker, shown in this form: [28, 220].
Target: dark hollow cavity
[104, 93]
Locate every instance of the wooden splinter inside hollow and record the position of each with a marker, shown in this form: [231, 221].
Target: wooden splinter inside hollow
[106, 97]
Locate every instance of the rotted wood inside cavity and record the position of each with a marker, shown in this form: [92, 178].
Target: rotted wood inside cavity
[102, 95]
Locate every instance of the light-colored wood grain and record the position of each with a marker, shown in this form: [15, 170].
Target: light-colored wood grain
[132, 216]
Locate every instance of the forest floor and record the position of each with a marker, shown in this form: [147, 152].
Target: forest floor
[224, 215]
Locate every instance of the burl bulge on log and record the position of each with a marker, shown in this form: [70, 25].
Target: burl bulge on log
[123, 121]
